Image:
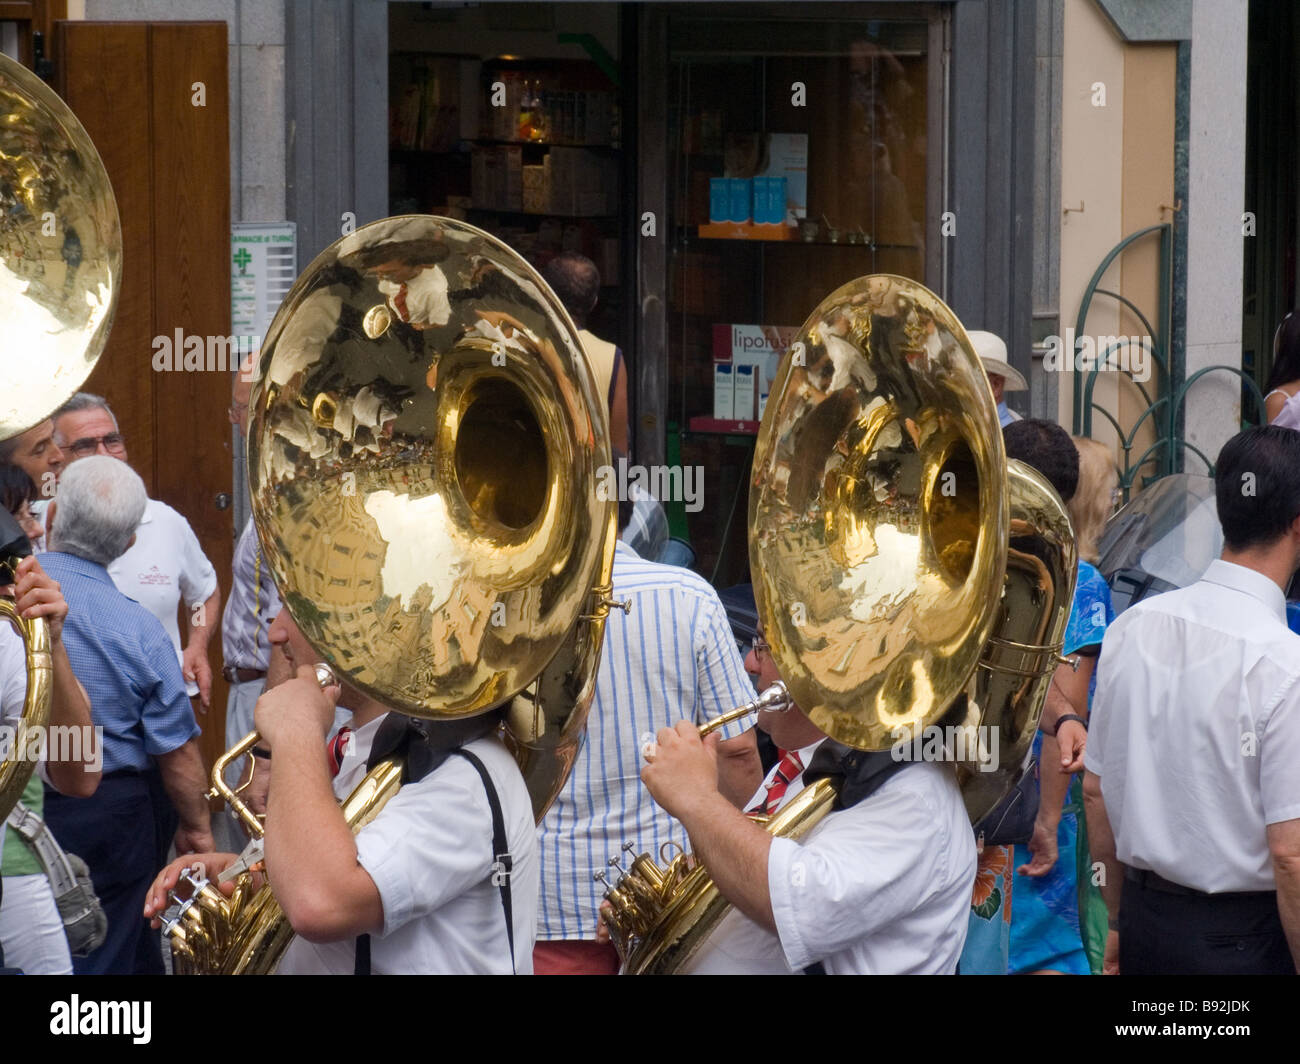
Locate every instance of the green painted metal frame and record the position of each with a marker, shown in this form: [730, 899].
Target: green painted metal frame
[1163, 409]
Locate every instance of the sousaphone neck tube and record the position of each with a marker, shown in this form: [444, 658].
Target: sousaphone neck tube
[775, 699]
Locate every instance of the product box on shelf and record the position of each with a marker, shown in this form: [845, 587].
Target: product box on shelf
[719, 199]
[724, 392]
[740, 199]
[742, 407]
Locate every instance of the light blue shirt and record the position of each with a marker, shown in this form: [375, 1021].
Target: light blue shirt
[1006, 415]
[251, 607]
[124, 659]
[673, 657]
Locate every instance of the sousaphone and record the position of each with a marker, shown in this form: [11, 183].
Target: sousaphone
[425, 438]
[60, 272]
[906, 574]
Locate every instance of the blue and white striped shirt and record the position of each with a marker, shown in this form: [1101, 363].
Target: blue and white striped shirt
[673, 657]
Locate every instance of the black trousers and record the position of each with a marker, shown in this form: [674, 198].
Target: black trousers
[1161, 933]
[116, 832]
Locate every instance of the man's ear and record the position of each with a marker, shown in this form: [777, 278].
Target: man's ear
[130, 542]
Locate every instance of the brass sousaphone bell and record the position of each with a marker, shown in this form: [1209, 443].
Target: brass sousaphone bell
[425, 437]
[60, 273]
[906, 574]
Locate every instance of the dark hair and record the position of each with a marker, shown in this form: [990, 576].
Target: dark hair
[1256, 486]
[576, 281]
[1048, 448]
[16, 487]
[1286, 352]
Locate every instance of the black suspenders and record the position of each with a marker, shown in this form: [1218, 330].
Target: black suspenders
[502, 864]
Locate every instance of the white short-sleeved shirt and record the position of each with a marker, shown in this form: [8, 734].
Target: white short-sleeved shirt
[1195, 730]
[429, 852]
[883, 887]
[164, 565]
[13, 675]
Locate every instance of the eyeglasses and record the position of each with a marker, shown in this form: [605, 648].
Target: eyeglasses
[113, 442]
[759, 645]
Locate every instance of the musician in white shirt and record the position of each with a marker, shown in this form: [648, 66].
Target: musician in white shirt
[1192, 788]
[883, 886]
[418, 879]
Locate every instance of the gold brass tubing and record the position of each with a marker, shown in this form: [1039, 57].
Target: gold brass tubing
[645, 867]
[17, 768]
[325, 677]
[221, 790]
[774, 698]
[722, 721]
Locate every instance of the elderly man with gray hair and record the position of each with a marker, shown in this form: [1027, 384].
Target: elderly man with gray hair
[165, 564]
[121, 654]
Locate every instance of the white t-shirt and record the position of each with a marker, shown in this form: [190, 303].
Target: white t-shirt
[164, 565]
[1195, 730]
[429, 852]
[883, 887]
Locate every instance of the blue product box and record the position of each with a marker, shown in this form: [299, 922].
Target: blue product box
[762, 201]
[776, 200]
[719, 199]
[741, 191]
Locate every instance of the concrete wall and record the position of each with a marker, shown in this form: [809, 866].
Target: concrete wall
[1216, 188]
[1049, 66]
[1120, 162]
[257, 93]
[1092, 178]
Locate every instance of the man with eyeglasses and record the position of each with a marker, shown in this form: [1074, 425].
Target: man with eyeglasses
[37, 455]
[166, 563]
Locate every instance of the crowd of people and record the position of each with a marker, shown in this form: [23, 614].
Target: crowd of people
[1166, 837]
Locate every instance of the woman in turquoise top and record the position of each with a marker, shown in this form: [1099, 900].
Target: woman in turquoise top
[1045, 928]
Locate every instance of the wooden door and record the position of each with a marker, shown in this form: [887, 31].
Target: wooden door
[154, 98]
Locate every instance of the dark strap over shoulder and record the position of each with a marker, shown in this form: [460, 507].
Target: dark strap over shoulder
[502, 862]
[425, 746]
[861, 773]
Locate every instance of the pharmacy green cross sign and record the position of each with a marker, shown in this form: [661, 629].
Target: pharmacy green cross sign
[242, 259]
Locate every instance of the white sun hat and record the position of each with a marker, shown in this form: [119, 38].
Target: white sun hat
[993, 353]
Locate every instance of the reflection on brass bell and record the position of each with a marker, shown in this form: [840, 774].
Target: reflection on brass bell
[376, 321]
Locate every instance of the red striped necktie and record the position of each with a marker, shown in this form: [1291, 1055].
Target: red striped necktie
[335, 749]
[786, 773]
